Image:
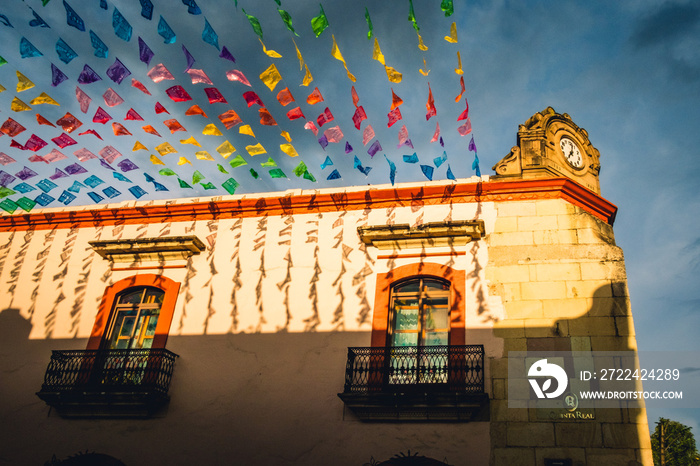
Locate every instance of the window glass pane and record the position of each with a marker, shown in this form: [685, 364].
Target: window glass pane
[436, 338]
[429, 284]
[406, 314]
[405, 339]
[131, 297]
[409, 286]
[154, 296]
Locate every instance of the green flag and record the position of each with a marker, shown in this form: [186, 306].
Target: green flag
[197, 177]
[208, 185]
[183, 184]
[448, 7]
[270, 163]
[167, 172]
[278, 2]
[277, 173]
[230, 185]
[238, 161]
[255, 23]
[221, 168]
[254, 174]
[369, 23]
[412, 15]
[287, 20]
[320, 22]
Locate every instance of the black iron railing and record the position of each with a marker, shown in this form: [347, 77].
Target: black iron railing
[105, 371]
[458, 369]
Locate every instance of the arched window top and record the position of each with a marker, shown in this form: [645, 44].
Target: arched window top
[135, 318]
[425, 283]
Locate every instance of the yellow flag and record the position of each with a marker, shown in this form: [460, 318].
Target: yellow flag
[43, 98]
[156, 161]
[452, 38]
[458, 70]
[23, 83]
[183, 161]
[19, 106]
[226, 149]
[246, 129]
[425, 65]
[421, 45]
[286, 135]
[2, 88]
[211, 130]
[393, 75]
[203, 155]
[138, 146]
[256, 149]
[307, 77]
[270, 77]
[190, 140]
[301, 60]
[377, 52]
[338, 56]
[269, 53]
[289, 150]
[165, 148]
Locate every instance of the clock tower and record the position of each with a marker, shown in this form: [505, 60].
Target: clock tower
[549, 145]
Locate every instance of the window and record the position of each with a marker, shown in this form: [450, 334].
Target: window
[135, 316]
[135, 312]
[420, 312]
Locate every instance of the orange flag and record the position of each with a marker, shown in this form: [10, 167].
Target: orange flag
[150, 129]
[395, 100]
[430, 105]
[355, 97]
[315, 97]
[195, 110]
[284, 97]
[230, 119]
[266, 118]
[461, 82]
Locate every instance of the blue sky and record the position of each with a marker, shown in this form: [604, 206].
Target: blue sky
[626, 71]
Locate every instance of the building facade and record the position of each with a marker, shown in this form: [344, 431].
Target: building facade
[318, 327]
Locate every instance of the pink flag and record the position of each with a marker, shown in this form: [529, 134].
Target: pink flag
[367, 135]
[112, 99]
[54, 156]
[333, 134]
[84, 155]
[159, 72]
[83, 99]
[199, 77]
[403, 138]
[109, 153]
[466, 128]
[235, 75]
[436, 135]
[310, 125]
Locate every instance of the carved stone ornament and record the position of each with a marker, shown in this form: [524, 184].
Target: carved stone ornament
[551, 145]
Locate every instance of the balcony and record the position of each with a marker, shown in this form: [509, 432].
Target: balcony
[430, 383]
[108, 383]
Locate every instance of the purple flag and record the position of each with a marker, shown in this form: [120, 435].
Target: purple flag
[472, 146]
[323, 141]
[58, 174]
[75, 169]
[25, 173]
[127, 165]
[348, 147]
[88, 76]
[145, 53]
[57, 76]
[225, 54]
[374, 148]
[188, 57]
[117, 72]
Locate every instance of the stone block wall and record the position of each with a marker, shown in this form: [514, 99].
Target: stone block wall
[564, 288]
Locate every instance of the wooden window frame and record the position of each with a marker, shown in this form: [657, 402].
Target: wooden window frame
[382, 299]
[106, 310]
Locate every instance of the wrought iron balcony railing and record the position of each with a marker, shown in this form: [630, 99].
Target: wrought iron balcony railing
[125, 380]
[449, 369]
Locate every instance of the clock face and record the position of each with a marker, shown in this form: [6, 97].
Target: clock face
[571, 152]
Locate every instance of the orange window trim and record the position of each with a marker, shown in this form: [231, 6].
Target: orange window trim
[167, 310]
[457, 279]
